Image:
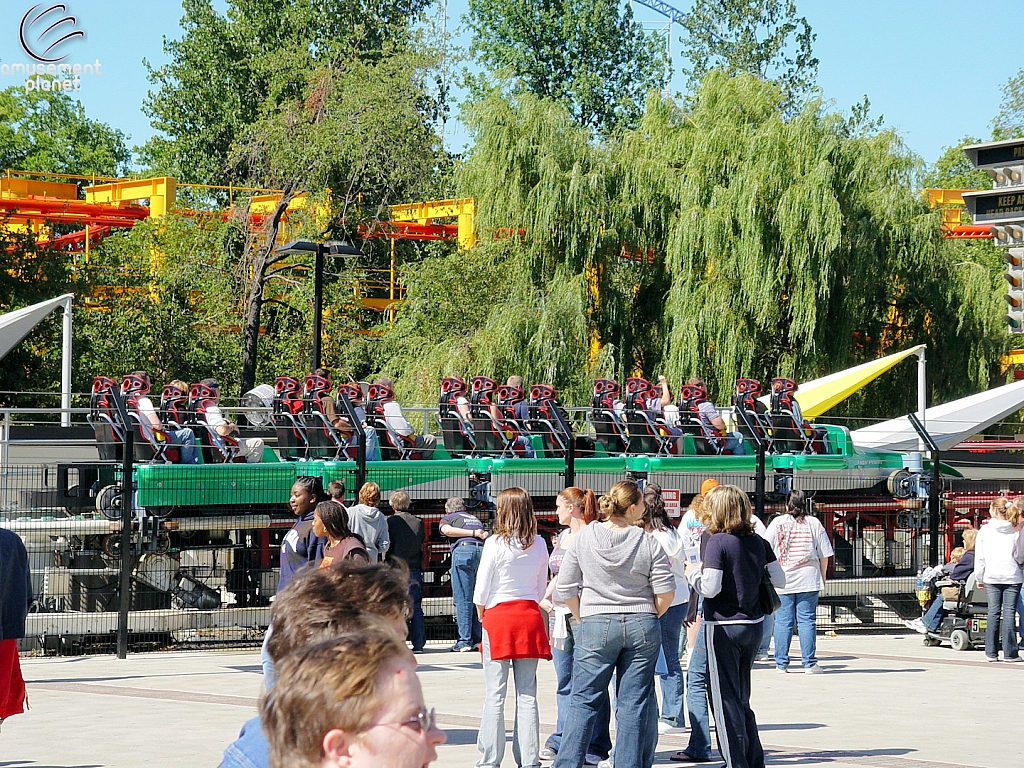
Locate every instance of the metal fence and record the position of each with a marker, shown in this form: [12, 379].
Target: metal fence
[203, 559]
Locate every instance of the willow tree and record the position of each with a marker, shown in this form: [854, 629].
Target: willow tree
[732, 239]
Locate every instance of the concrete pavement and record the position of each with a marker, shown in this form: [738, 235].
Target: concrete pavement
[885, 702]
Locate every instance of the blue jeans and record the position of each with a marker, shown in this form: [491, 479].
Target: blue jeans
[1002, 604]
[801, 606]
[600, 740]
[697, 699]
[185, 441]
[767, 632]
[417, 629]
[1020, 616]
[734, 443]
[672, 680]
[269, 673]
[934, 615]
[626, 644]
[465, 561]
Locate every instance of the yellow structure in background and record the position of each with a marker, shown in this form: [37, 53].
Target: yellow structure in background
[160, 192]
[464, 209]
[936, 198]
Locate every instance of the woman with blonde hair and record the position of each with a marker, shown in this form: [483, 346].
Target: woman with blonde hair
[510, 583]
[616, 580]
[729, 578]
[576, 508]
[997, 568]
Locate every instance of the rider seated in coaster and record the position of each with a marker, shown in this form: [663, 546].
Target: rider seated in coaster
[521, 407]
[250, 447]
[397, 421]
[713, 424]
[182, 438]
[510, 409]
[354, 393]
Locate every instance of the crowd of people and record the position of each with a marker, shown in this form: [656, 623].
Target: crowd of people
[621, 595]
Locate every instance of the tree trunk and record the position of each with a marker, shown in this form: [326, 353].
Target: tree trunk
[254, 304]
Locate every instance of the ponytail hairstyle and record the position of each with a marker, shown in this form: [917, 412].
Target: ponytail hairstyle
[619, 498]
[584, 499]
[314, 486]
[998, 509]
[796, 504]
[335, 519]
[1013, 513]
[514, 520]
[655, 518]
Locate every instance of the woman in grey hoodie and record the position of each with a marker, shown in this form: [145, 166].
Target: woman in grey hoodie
[367, 522]
[616, 581]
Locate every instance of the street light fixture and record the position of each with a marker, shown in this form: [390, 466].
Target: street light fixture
[319, 250]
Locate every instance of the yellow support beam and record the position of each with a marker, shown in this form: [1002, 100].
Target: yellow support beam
[160, 192]
[18, 189]
[464, 209]
[1013, 357]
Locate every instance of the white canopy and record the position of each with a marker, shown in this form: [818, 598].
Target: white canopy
[16, 325]
[949, 423]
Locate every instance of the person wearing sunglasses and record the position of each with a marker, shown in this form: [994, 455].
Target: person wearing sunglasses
[353, 701]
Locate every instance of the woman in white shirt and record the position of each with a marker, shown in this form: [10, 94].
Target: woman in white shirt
[802, 549]
[510, 584]
[996, 567]
[656, 522]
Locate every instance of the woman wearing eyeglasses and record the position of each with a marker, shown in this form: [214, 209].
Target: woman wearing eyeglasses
[353, 701]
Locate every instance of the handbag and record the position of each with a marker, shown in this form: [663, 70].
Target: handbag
[768, 597]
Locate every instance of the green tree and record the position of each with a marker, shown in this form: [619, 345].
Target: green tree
[764, 38]
[588, 54]
[49, 131]
[725, 241]
[1009, 122]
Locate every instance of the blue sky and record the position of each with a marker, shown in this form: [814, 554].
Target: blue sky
[933, 69]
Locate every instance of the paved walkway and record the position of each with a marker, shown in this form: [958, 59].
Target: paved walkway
[886, 702]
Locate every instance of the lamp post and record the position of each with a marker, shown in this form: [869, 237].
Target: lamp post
[319, 251]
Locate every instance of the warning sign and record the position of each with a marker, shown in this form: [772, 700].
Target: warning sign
[671, 497]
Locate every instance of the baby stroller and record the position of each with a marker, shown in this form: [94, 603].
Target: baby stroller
[963, 626]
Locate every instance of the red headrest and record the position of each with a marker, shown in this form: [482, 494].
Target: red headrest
[102, 385]
[353, 392]
[784, 386]
[314, 386]
[750, 387]
[453, 386]
[381, 393]
[201, 395]
[134, 385]
[541, 392]
[484, 384]
[690, 395]
[509, 395]
[606, 387]
[287, 387]
[637, 386]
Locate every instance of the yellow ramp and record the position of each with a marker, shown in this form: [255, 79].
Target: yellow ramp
[817, 396]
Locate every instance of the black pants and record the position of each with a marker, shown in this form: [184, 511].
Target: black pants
[731, 652]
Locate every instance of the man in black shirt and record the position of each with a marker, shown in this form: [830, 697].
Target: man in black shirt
[406, 531]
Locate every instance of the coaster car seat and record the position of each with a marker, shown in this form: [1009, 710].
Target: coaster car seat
[217, 449]
[173, 402]
[509, 429]
[325, 441]
[104, 419]
[392, 444]
[354, 393]
[792, 433]
[485, 432]
[647, 434]
[286, 416]
[707, 440]
[543, 422]
[151, 443]
[608, 425]
[751, 414]
[456, 434]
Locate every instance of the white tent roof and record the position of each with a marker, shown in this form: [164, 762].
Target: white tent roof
[949, 423]
[16, 325]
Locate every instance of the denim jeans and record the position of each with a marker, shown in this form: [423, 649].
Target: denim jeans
[767, 632]
[734, 443]
[1020, 616]
[1002, 604]
[417, 629]
[185, 440]
[801, 606]
[934, 615]
[490, 740]
[697, 699]
[626, 644]
[600, 740]
[672, 680]
[465, 561]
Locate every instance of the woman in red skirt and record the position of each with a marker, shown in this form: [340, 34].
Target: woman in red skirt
[15, 598]
[509, 585]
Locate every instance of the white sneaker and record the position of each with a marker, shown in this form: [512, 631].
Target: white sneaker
[667, 728]
[814, 669]
[547, 754]
[762, 656]
[917, 625]
[605, 764]
[781, 670]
